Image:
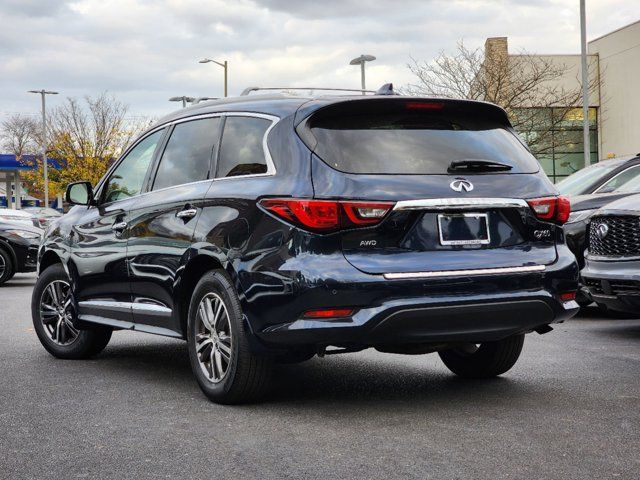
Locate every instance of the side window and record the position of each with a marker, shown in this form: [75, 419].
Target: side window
[187, 157]
[241, 151]
[620, 179]
[127, 179]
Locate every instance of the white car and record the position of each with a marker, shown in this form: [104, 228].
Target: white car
[19, 216]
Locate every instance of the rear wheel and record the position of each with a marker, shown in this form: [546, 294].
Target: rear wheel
[483, 360]
[221, 358]
[7, 269]
[53, 313]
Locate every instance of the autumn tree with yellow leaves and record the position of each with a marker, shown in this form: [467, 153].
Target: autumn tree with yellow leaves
[85, 138]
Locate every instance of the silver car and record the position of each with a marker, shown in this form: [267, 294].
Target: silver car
[612, 263]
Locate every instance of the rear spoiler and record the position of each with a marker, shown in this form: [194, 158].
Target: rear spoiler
[336, 107]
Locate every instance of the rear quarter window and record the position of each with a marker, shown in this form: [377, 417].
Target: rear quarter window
[241, 150]
[405, 141]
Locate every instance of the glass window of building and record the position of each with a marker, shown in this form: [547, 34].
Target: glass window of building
[555, 137]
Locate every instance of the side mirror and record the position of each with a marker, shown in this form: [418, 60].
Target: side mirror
[79, 193]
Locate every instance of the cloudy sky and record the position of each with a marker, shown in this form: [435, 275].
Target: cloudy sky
[144, 51]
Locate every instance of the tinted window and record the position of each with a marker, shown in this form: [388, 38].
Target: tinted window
[415, 142]
[625, 181]
[241, 151]
[187, 157]
[579, 182]
[128, 177]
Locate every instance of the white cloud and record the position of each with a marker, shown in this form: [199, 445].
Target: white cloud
[145, 51]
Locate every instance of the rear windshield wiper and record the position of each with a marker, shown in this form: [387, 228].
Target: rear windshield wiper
[478, 166]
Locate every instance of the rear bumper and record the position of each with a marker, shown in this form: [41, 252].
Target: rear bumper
[615, 284]
[416, 321]
[403, 311]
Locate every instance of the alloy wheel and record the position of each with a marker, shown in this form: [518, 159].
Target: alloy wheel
[213, 337]
[56, 312]
[3, 266]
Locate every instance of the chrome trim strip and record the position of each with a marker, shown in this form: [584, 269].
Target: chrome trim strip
[125, 306]
[464, 273]
[457, 203]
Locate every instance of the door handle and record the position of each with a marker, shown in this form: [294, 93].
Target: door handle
[187, 213]
[119, 227]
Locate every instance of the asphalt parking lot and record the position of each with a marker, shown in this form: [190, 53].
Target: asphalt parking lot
[569, 409]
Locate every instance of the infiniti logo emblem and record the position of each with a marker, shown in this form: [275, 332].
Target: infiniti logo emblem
[460, 184]
[602, 231]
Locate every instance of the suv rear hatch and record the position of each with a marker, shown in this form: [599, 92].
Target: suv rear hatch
[454, 175]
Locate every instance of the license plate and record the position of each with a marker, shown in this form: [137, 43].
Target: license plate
[464, 229]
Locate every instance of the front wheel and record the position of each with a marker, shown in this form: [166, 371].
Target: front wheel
[52, 311]
[6, 267]
[226, 368]
[483, 360]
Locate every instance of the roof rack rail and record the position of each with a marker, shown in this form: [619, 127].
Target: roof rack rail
[248, 90]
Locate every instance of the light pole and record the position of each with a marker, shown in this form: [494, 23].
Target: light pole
[585, 85]
[43, 93]
[223, 65]
[184, 99]
[361, 60]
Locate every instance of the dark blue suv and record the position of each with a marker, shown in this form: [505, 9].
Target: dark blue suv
[272, 228]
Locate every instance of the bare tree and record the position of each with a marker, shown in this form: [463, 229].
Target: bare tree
[524, 85]
[19, 134]
[96, 128]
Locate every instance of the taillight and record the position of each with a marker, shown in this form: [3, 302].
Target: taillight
[554, 209]
[327, 215]
[365, 213]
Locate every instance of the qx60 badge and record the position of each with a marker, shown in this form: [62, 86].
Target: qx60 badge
[460, 184]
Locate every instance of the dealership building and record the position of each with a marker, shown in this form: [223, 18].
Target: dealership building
[614, 103]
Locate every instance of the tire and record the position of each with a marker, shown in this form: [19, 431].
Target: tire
[54, 325]
[227, 370]
[7, 269]
[487, 360]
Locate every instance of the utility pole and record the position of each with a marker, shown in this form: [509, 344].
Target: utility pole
[585, 84]
[43, 93]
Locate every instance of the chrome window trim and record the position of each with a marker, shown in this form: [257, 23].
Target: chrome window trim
[271, 168]
[459, 203]
[464, 273]
[597, 190]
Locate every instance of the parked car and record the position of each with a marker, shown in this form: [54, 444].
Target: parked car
[44, 215]
[612, 270]
[18, 216]
[273, 228]
[582, 208]
[18, 248]
[602, 177]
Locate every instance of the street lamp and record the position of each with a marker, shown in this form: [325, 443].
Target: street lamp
[184, 99]
[43, 93]
[223, 65]
[361, 60]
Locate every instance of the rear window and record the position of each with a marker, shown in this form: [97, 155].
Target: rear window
[420, 141]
